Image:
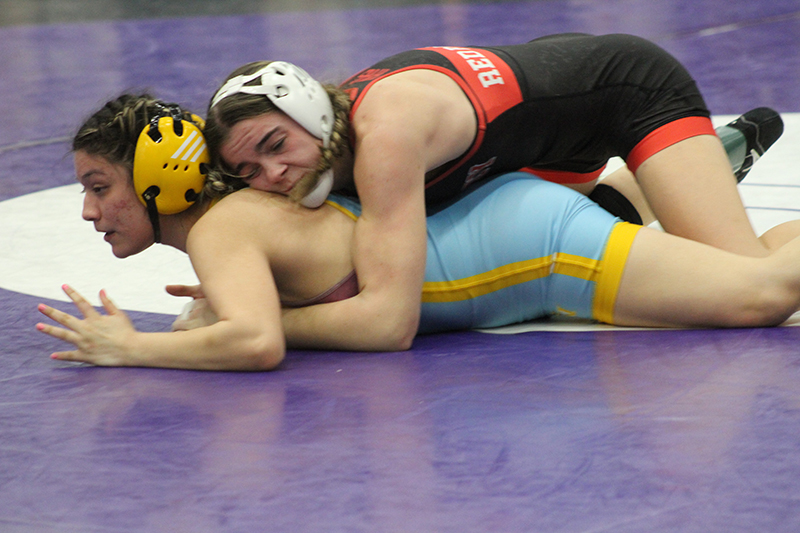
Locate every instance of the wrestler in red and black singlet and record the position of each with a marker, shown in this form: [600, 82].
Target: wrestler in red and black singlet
[559, 106]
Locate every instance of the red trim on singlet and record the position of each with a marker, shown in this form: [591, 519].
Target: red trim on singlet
[666, 136]
[487, 80]
[563, 176]
[492, 81]
[481, 115]
[346, 288]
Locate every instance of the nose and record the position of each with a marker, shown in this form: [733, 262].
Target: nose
[270, 177]
[90, 211]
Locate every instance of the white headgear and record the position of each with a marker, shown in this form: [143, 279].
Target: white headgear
[292, 91]
[302, 98]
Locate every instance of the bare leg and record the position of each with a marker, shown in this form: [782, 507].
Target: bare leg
[624, 181]
[744, 140]
[669, 281]
[780, 235]
[691, 189]
[583, 188]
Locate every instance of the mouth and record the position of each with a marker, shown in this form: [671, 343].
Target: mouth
[288, 184]
[108, 235]
[303, 186]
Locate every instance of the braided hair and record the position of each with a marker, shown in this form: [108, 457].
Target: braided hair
[113, 131]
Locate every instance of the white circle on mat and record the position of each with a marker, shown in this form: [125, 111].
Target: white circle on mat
[46, 244]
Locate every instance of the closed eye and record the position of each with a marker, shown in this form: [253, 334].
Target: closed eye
[278, 145]
[95, 189]
[247, 172]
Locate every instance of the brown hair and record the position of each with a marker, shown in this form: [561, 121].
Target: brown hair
[113, 131]
[238, 107]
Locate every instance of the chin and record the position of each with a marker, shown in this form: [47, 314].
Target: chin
[123, 252]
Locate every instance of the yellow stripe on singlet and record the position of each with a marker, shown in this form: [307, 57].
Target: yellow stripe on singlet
[342, 209]
[606, 273]
[510, 275]
[614, 259]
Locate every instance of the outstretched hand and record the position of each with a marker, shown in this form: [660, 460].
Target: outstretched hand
[100, 339]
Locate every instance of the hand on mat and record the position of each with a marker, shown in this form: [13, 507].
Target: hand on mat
[100, 339]
[196, 313]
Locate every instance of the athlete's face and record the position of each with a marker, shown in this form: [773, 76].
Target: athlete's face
[110, 203]
[273, 151]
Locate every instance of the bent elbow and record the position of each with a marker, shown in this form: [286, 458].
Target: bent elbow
[406, 338]
[269, 360]
[265, 353]
[401, 335]
[395, 343]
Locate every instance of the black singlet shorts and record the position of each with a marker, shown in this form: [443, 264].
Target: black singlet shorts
[559, 106]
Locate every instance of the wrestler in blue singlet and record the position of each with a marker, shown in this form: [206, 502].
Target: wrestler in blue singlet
[518, 248]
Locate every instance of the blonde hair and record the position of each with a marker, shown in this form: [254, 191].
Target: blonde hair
[238, 107]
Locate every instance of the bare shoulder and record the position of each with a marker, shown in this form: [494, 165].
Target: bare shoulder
[246, 213]
[266, 219]
[427, 109]
[416, 91]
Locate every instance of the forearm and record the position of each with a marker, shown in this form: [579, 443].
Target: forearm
[111, 340]
[389, 258]
[361, 323]
[393, 150]
[216, 347]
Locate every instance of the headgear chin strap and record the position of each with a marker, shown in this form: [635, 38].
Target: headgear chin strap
[320, 191]
[292, 91]
[169, 165]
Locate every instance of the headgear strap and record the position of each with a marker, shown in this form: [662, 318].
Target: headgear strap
[169, 165]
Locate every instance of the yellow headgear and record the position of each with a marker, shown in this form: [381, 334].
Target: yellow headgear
[169, 162]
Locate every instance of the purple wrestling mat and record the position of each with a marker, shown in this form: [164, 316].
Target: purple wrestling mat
[553, 431]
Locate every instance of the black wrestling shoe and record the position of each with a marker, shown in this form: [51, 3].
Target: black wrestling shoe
[761, 127]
